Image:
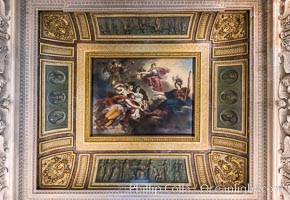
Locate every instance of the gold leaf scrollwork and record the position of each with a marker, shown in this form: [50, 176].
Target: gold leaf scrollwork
[229, 27]
[56, 170]
[228, 170]
[58, 27]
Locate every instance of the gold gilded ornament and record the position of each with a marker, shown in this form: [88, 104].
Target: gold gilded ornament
[57, 27]
[230, 27]
[56, 170]
[228, 170]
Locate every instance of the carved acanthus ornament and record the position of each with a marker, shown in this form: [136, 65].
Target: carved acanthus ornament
[228, 170]
[56, 169]
[283, 101]
[58, 27]
[229, 27]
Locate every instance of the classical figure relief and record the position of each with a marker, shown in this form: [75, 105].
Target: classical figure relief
[229, 117]
[56, 117]
[229, 76]
[131, 170]
[229, 97]
[56, 94]
[57, 97]
[143, 25]
[57, 77]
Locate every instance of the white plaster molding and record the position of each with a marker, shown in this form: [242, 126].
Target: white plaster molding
[283, 94]
[141, 5]
[4, 96]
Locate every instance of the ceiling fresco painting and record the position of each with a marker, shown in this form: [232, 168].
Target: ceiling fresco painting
[121, 95]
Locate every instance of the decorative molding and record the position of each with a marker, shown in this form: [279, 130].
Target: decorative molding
[86, 52]
[283, 100]
[4, 95]
[58, 51]
[82, 171]
[56, 144]
[201, 171]
[83, 25]
[120, 5]
[231, 144]
[231, 50]
[203, 24]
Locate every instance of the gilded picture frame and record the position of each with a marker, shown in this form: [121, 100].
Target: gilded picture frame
[87, 52]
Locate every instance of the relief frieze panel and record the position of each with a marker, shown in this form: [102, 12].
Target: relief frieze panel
[132, 26]
[149, 169]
